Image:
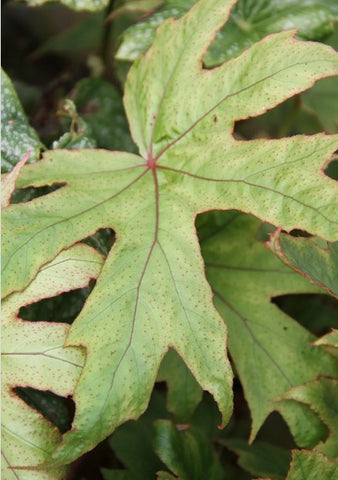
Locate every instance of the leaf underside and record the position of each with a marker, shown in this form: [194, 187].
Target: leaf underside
[152, 293]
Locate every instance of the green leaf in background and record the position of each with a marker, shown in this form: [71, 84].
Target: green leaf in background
[186, 453]
[261, 458]
[100, 106]
[139, 6]
[18, 137]
[321, 396]
[271, 352]
[250, 21]
[318, 102]
[132, 443]
[83, 35]
[314, 258]
[152, 294]
[184, 393]
[311, 466]
[137, 38]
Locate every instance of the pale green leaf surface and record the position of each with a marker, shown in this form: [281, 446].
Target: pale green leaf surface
[321, 396]
[17, 136]
[307, 465]
[186, 453]
[317, 262]
[184, 393]
[271, 351]
[33, 356]
[261, 458]
[152, 293]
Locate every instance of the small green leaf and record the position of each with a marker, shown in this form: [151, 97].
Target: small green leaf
[18, 137]
[321, 396]
[315, 259]
[307, 465]
[261, 458]
[184, 393]
[186, 453]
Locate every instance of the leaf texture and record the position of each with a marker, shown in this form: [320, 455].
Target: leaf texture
[152, 293]
[33, 356]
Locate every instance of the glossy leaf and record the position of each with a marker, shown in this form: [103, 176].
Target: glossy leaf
[315, 259]
[152, 294]
[250, 21]
[261, 337]
[186, 453]
[311, 466]
[18, 137]
[321, 397]
[33, 356]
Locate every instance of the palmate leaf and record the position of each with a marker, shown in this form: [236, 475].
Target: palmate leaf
[271, 351]
[152, 293]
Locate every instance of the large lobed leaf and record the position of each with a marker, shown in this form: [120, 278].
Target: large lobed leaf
[152, 293]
